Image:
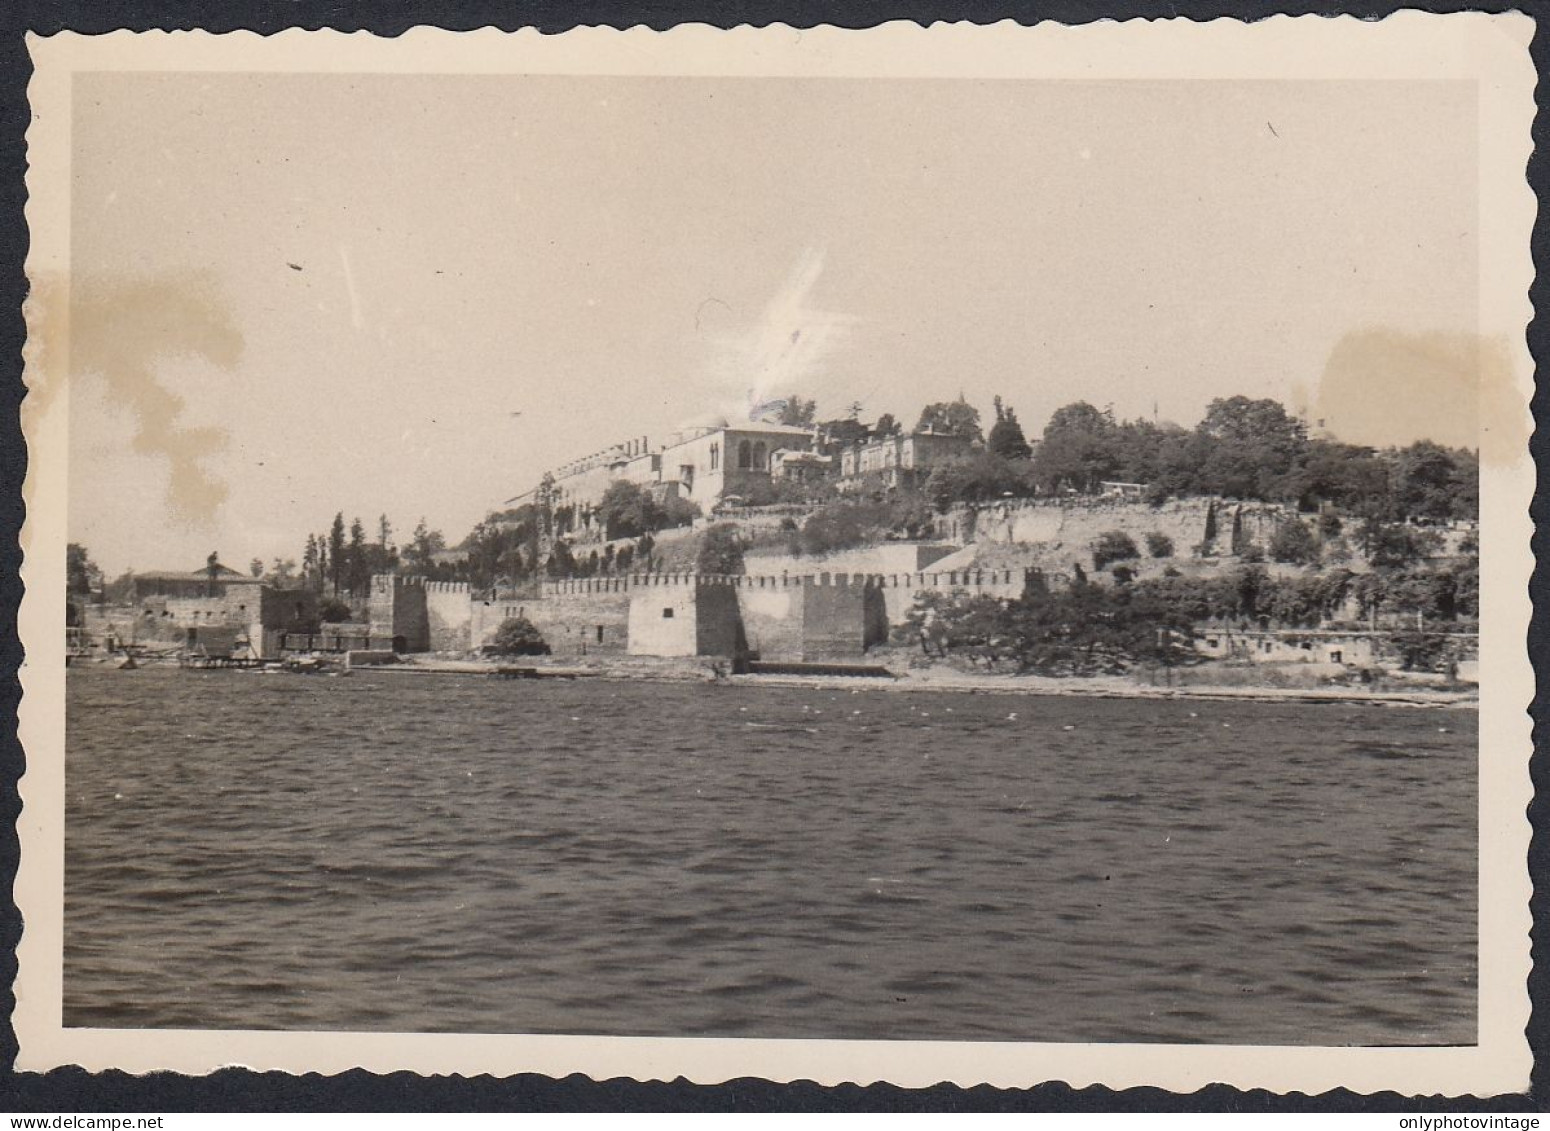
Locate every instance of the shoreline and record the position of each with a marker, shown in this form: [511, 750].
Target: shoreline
[948, 680]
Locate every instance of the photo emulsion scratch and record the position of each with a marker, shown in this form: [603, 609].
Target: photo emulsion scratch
[973, 554]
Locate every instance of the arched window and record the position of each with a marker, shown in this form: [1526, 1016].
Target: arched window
[760, 463]
[744, 455]
[715, 456]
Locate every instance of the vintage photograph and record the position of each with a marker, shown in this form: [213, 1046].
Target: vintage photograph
[792, 556]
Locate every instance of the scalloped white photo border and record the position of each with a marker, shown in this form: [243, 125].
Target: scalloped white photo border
[1490, 50]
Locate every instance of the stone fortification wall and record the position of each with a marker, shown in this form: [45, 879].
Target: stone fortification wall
[397, 608]
[835, 620]
[887, 557]
[1065, 529]
[1076, 523]
[773, 617]
[784, 617]
[899, 590]
[576, 618]
[663, 615]
[449, 615]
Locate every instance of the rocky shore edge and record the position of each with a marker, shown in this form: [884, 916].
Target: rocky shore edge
[939, 679]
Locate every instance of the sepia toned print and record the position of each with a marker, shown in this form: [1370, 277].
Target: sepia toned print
[913, 555]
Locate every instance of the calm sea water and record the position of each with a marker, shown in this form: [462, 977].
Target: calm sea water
[399, 853]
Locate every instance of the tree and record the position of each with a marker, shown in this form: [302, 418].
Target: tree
[1353, 478]
[830, 528]
[384, 532]
[1006, 435]
[1088, 628]
[721, 551]
[1293, 542]
[358, 565]
[336, 555]
[957, 623]
[121, 590]
[1079, 448]
[1254, 448]
[1159, 545]
[951, 418]
[885, 428]
[1395, 544]
[311, 575]
[626, 510]
[282, 572]
[980, 478]
[424, 544]
[256, 567]
[798, 413]
[1433, 482]
[836, 434]
[561, 563]
[518, 636]
[675, 511]
[1113, 546]
[81, 575]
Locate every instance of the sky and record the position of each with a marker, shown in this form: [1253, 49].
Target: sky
[293, 295]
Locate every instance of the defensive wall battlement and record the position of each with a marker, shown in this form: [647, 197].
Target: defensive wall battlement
[820, 615]
[997, 579]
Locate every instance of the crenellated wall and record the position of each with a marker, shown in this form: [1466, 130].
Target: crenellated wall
[449, 615]
[573, 623]
[772, 617]
[899, 590]
[787, 617]
[398, 610]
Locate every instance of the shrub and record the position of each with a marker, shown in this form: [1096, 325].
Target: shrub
[1159, 545]
[1293, 542]
[1113, 546]
[721, 551]
[518, 636]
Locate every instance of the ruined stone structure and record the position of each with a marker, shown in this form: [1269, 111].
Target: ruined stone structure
[248, 615]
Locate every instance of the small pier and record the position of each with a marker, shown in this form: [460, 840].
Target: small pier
[794, 667]
[509, 672]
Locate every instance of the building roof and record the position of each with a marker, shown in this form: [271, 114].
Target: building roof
[752, 426]
[222, 573]
[798, 455]
[782, 429]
